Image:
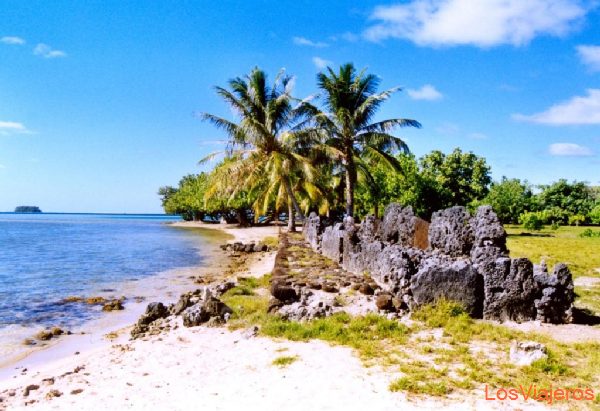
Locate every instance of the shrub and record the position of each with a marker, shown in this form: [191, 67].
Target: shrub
[531, 220]
[590, 233]
[554, 214]
[577, 219]
[594, 215]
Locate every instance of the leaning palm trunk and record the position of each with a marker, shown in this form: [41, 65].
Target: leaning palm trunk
[291, 217]
[292, 198]
[350, 184]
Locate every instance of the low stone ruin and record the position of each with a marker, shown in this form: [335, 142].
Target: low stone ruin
[457, 256]
[245, 248]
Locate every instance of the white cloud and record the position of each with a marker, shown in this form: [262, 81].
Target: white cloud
[44, 50]
[578, 110]
[12, 127]
[483, 23]
[12, 40]
[427, 92]
[321, 63]
[569, 149]
[590, 56]
[302, 41]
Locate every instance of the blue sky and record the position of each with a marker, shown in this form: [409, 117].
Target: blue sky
[97, 98]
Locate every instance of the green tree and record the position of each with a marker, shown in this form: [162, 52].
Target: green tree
[353, 140]
[165, 193]
[262, 147]
[187, 199]
[594, 215]
[509, 198]
[460, 177]
[573, 198]
[407, 187]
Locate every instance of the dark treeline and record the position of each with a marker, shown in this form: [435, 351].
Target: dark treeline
[328, 155]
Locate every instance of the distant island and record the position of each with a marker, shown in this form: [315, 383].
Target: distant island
[27, 209]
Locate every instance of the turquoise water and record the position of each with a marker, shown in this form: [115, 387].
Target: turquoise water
[47, 257]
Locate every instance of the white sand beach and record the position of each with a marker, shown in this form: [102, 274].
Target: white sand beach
[212, 369]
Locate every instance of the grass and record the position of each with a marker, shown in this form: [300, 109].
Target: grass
[563, 245]
[589, 298]
[271, 241]
[440, 366]
[285, 360]
[469, 354]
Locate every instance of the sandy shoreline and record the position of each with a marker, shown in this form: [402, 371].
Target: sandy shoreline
[165, 286]
[216, 369]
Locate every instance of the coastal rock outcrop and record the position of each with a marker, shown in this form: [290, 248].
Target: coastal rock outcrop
[245, 248]
[154, 311]
[457, 257]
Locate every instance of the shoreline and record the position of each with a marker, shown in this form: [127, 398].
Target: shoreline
[164, 286]
[219, 369]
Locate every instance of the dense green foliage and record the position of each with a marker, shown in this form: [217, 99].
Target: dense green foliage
[531, 220]
[509, 198]
[434, 182]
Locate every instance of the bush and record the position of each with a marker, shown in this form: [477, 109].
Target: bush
[594, 215]
[554, 215]
[577, 219]
[590, 233]
[531, 221]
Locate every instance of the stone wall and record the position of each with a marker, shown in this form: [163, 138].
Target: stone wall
[457, 256]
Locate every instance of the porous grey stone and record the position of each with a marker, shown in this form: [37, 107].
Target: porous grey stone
[439, 278]
[510, 290]
[450, 232]
[205, 310]
[332, 242]
[555, 302]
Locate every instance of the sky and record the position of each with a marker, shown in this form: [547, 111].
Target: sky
[99, 99]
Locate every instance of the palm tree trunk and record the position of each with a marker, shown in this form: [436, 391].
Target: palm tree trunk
[350, 183]
[292, 198]
[376, 209]
[291, 217]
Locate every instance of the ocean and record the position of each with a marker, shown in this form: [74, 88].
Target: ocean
[45, 258]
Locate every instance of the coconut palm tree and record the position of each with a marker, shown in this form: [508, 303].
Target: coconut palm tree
[263, 145]
[351, 101]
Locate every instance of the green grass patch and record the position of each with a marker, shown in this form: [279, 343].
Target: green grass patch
[271, 242]
[285, 360]
[567, 365]
[589, 298]
[440, 366]
[555, 246]
[567, 245]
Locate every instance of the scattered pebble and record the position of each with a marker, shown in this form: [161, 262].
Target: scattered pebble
[53, 394]
[30, 388]
[48, 381]
[77, 391]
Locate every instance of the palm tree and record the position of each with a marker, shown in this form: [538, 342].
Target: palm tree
[351, 101]
[263, 145]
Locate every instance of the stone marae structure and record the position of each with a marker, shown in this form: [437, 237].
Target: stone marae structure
[456, 256]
